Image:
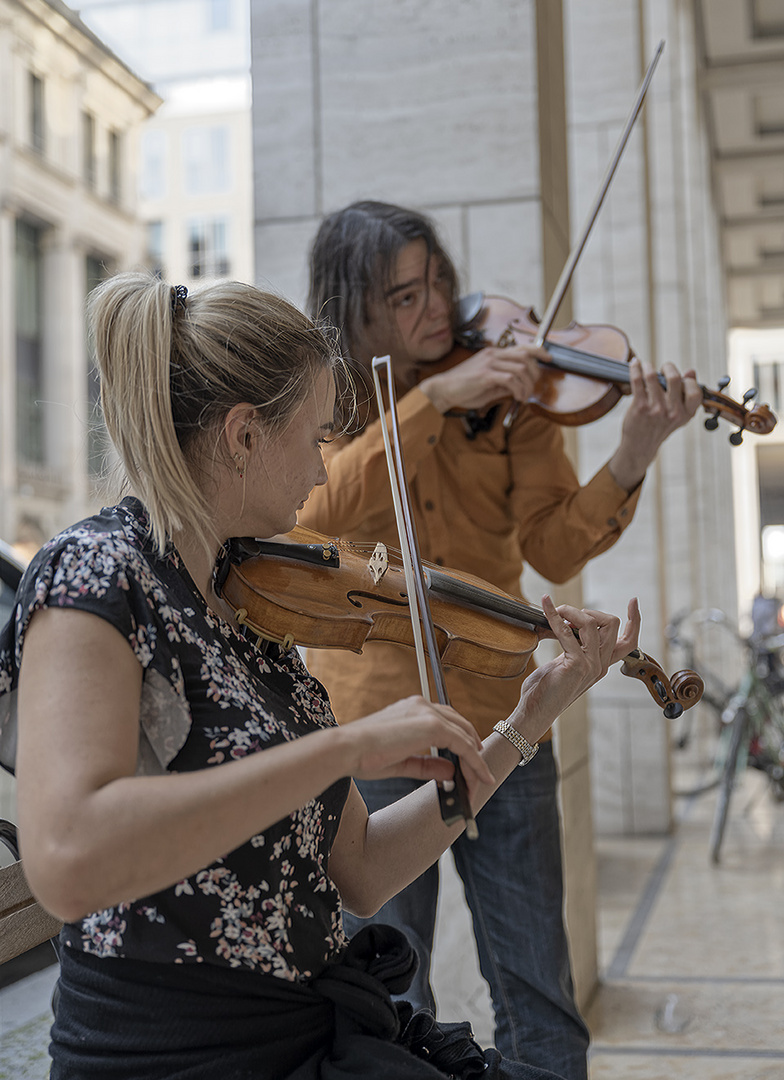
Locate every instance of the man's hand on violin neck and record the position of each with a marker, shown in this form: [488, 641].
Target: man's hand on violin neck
[489, 376]
[652, 416]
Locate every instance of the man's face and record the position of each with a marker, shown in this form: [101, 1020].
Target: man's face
[412, 322]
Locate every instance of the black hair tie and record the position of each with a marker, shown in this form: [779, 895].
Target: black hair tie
[179, 295]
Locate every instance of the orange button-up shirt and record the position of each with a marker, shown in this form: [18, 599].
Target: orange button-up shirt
[483, 506]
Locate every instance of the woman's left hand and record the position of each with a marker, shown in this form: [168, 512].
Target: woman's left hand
[586, 657]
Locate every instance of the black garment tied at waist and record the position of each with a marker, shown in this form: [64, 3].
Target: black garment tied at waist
[129, 1020]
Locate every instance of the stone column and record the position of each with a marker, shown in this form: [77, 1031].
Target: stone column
[651, 268]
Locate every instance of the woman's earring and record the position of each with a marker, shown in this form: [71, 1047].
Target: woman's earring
[239, 465]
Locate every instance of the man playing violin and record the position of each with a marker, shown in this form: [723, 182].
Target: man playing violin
[487, 497]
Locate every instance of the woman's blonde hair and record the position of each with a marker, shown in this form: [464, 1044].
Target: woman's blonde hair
[173, 365]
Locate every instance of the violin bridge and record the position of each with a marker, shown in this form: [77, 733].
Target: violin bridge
[507, 338]
[378, 562]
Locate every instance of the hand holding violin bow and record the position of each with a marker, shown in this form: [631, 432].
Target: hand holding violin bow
[488, 376]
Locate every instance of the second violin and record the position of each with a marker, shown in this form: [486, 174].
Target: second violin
[588, 369]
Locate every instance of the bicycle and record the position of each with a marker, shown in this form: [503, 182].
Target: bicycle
[753, 730]
[682, 633]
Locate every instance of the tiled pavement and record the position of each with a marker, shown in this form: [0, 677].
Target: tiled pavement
[691, 954]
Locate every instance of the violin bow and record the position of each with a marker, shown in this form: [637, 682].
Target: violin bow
[452, 794]
[574, 255]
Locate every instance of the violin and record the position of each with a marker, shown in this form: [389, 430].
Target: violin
[588, 369]
[318, 592]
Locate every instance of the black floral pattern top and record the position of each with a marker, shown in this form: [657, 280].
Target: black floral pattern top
[208, 697]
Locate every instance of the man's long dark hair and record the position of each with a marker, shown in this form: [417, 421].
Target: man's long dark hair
[353, 259]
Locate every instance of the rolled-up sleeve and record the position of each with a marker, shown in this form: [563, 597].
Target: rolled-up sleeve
[561, 524]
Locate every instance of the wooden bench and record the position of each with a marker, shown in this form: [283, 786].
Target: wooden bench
[23, 922]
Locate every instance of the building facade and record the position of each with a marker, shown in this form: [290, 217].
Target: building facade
[195, 169]
[70, 113]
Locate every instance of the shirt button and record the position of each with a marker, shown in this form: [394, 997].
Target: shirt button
[429, 504]
[433, 439]
[624, 512]
[612, 522]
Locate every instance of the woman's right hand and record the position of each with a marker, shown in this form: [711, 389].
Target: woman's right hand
[488, 376]
[396, 741]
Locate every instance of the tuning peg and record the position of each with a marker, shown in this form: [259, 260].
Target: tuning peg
[723, 382]
[712, 422]
[752, 393]
[736, 438]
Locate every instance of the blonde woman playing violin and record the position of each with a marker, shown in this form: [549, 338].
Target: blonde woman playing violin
[186, 801]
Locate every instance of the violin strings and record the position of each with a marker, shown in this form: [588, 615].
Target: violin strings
[460, 591]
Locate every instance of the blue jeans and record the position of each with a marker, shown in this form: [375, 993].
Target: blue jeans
[513, 883]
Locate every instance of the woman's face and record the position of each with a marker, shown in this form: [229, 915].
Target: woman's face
[282, 469]
[413, 320]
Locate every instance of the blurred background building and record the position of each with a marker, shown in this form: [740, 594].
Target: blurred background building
[105, 164]
[70, 118]
[195, 172]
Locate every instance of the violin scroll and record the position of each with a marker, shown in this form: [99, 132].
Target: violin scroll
[687, 686]
[673, 695]
[758, 419]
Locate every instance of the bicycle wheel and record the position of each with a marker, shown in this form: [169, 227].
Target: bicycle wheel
[712, 773]
[739, 726]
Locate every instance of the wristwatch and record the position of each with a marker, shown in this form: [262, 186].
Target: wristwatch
[503, 727]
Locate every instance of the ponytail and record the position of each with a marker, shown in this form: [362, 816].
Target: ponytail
[173, 365]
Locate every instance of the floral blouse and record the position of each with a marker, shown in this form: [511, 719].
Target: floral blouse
[208, 697]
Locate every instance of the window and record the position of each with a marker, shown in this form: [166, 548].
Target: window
[208, 247]
[115, 166]
[29, 352]
[767, 19]
[218, 14]
[768, 377]
[88, 149]
[37, 140]
[155, 247]
[768, 115]
[97, 436]
[205, 160]
[153, 165]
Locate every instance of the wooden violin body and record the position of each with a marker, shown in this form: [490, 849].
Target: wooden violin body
[319, 592]
[588, 370]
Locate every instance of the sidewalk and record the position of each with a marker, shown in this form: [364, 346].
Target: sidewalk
[691, 954]
[25, 1019]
